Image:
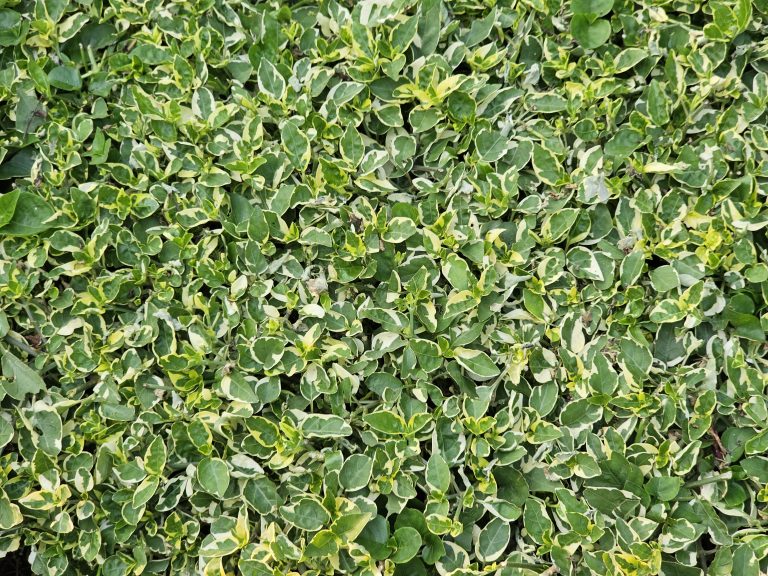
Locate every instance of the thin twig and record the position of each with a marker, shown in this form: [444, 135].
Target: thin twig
[20, 344]
[709, 480]
[534, 567]
[720, 451]
[34, 324]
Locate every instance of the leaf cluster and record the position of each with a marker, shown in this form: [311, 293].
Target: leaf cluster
[403, 288]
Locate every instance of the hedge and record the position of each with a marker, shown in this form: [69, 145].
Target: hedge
[384, 288]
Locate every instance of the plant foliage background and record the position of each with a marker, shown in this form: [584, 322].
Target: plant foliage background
[400, 287]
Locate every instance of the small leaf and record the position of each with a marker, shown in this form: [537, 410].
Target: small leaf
[546, 165]
[155, 456]
[406, 541]
[491, 145]
[658, 104]
[20, 378]
[593, 8]
[296, 145]
[262, 494]
[399, 229]
[65, 78]
[270, 80]
[325, 426]
[306, 514]
[477, 363]
[8, 206]
[213, 476]
[438, 475]
[493, 540]
[10, 515]
[536, 520]
[356, 472]
[31, 215]
[385, 422]
[589, 34]
[664, 279]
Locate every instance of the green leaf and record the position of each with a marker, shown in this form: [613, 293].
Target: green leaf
[10, 27]
[592, 8]
[546, 165]
[590, 34]
[385, 422]
[664, 279]
[536, 520]
[325, 426]
[8, 206]
[491, 145]
[375, 538]
[268, 350]
[323, 544]
[213, 476]
[438, 475]
[406, 541]
[667, 311]
[29, 117]
[155, 456]
[635, 357]
[757, 444]
[145, 491]
[262, 494]
[351, 146]
[296, 145]
[744, 561]
[31, 214]
[10, 514]
[48, 422]
[631, 267]
[665, 488]
[306, 514]
[477, 363]
[356, 472]
[457, 271]
[493, 540]
[583, 263]
[429, 28]
[399, 229]
[65, 78]
[270, 81]
[20, 379]
[658, 104]
[203, 103]
[624, 142]
[236, 387]
[559, 224]
[427, 354]
[6, 432]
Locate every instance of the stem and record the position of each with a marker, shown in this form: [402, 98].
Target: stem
[34, 323]
[535, 567]
[720, 452]
[410, 318]
[712, 479]
[20, 344]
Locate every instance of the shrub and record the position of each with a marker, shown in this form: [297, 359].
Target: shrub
[371, 288]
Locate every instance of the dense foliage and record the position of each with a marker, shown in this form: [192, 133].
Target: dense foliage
[403, 287]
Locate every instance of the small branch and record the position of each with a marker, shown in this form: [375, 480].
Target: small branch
[34, 324]
[535, 567]
[720, 452]
[20, 344]
[710, 480]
